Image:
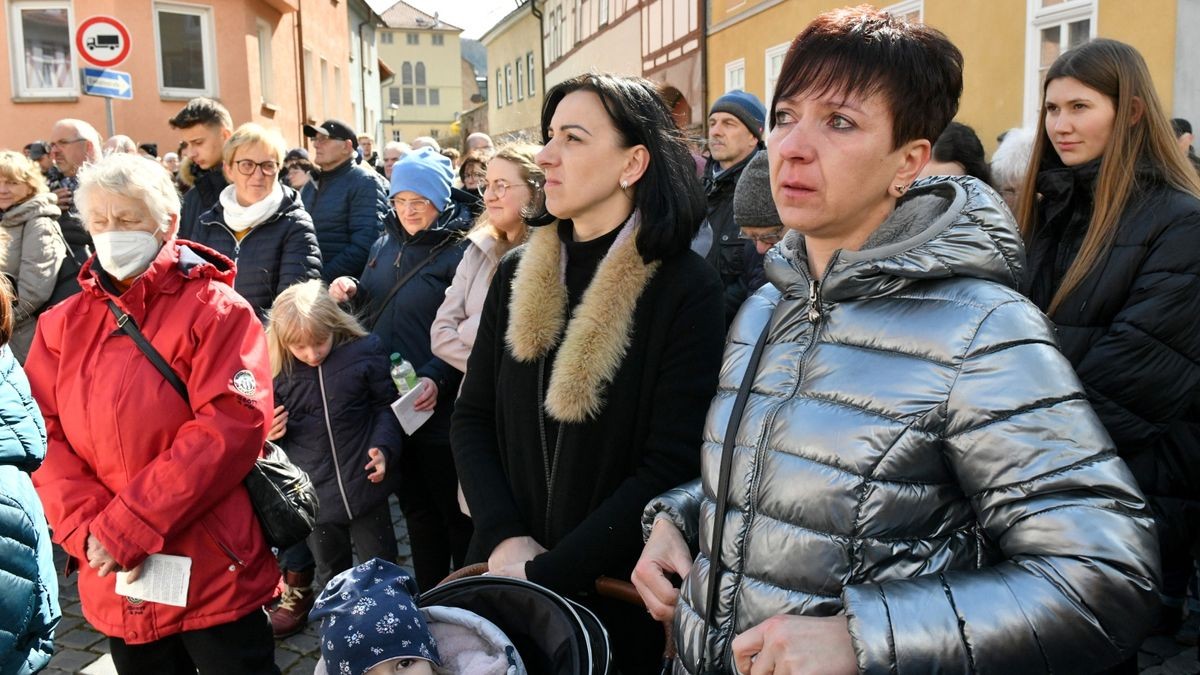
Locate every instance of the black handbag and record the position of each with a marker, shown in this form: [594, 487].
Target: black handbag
[283, 496]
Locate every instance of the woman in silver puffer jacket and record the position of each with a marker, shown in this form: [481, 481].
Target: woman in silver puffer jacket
[918, 483]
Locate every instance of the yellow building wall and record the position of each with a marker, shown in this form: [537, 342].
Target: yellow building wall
[505, 48]
[990, 34]
[443, 71]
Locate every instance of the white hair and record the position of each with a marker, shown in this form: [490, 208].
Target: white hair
[400, 146]
[1010, 162]
[131, 176]
[84, 131]
[479, 136]
[426, 142]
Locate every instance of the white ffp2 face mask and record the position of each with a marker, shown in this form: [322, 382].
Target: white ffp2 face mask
[125, 254]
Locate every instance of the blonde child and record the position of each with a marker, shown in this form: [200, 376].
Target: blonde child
[332, 379]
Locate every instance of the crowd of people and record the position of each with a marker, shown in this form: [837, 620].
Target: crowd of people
[837, 394]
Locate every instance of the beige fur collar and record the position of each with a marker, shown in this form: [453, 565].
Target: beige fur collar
[600, 330]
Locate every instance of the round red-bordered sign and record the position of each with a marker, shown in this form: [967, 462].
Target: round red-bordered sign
[99, 37]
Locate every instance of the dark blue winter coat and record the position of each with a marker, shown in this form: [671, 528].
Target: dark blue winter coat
[29, 609]
[273, 255]
[336, 412]
[404, 323]
[347, 205]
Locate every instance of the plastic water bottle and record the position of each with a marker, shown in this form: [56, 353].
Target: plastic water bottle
[403, 374]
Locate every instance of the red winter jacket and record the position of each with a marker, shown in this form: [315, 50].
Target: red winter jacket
[131, 463]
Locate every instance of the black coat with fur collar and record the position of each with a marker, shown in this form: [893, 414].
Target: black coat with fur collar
[634, 373]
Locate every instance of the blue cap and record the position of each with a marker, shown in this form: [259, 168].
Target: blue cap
[744, 106]
[426, 172]
[368, 616]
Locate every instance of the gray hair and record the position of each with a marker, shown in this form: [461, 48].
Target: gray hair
[426, 142]
[85, 131]
[401, 146]
[1010, 162]
[134, 177]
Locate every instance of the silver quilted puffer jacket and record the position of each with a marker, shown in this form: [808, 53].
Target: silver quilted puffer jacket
[917, 454]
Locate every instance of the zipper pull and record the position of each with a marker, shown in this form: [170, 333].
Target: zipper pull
[814, 301]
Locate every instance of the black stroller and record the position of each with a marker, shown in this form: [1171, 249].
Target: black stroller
[553, 635]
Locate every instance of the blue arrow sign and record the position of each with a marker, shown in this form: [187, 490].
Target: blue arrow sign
[108, 83]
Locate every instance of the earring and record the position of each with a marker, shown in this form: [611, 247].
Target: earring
[900, 189]
[624, 185]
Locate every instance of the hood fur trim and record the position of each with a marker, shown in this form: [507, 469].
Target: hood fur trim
[600, 330]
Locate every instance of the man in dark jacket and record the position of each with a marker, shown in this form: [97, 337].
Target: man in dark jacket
[735, 127]
[203, 125]
[370, 158]
[73, 143]
[348, 202]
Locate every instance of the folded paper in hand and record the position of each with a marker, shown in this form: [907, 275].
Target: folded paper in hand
[410, 418]
[164, 580]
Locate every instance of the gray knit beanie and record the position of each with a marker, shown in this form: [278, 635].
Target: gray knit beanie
[753, 205]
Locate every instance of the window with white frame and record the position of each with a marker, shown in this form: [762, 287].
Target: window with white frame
[324, 89]
[265, 67]
[394, 96]
[499, 90]
[435, 96]
[387, 37]
[1055, 26]
[521, 78]
[530, 69]
[183, 35]
[438, 39]
[337, 84]
[735, 75]
[310, 89]
[603, 12]
[912, 11]
[40, 49]
[412, 38]
[773, 62]
[508, 76]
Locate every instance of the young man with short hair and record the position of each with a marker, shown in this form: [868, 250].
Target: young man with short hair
[203, 125]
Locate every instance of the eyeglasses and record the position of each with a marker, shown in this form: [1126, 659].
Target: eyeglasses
[411, 204]
[246, 167]
[770, 238]
[66, 141]
[498, 188]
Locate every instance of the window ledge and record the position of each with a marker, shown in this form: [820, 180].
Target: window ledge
[71, 98]
[269, 109]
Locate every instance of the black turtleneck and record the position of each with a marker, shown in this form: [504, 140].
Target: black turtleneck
[1064, 213]
[583, 258]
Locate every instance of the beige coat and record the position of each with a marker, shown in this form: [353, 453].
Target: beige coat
[457, 322]
[31, 251]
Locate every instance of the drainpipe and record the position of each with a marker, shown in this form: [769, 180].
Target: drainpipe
[537, 13]
[703, 60]
[300, 61]
[362, 73]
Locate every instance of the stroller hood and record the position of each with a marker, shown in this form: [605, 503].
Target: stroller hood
[469, 643]
[553, 635]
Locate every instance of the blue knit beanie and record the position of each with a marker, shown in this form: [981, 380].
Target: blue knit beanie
[426, 172]
[368, 616]
[744, 106]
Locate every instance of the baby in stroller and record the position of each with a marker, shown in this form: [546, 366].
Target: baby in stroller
[371, 625]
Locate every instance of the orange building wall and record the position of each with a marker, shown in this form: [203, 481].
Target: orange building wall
[237, 71]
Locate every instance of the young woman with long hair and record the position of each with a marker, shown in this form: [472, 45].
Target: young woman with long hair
[597, 353]
[1110, 216]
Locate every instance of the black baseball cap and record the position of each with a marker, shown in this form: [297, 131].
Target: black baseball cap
[38, 149]
[332, 129]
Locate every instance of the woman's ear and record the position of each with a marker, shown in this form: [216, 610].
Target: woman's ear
[172, 228]
[913, 157]
[1137, 110]
[636, 163]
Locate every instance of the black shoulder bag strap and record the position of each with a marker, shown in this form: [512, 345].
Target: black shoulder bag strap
[718, 536]
[126, 324]
[437, 248]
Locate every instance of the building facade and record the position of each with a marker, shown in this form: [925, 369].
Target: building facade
[366, 101]
[424, 96]
[1007, 47]
[514, 56]
[673, 55]
[583, 35]
[252, 55]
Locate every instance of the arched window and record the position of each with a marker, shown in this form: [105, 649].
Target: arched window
[420, 73]
[406, 72]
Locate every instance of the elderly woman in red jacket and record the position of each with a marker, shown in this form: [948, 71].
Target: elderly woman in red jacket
[133, 470]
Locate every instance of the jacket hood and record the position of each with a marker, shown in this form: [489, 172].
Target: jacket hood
[177, 260]
[945, 226]
[37, 206]
[25, 444]
[469, 643]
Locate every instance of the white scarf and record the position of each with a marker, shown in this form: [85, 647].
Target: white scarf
[241, 218]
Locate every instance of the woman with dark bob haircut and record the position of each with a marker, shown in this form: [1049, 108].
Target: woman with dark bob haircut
[913, 480]
[597, 353]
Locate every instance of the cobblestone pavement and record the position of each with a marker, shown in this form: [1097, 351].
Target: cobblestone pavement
[82, 650]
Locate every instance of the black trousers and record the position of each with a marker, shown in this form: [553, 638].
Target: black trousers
[371, 535]
[428, 493]
[242, 647]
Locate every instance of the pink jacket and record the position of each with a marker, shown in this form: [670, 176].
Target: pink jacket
[457, 322]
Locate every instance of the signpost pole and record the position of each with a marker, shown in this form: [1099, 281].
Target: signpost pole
[108, 110]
